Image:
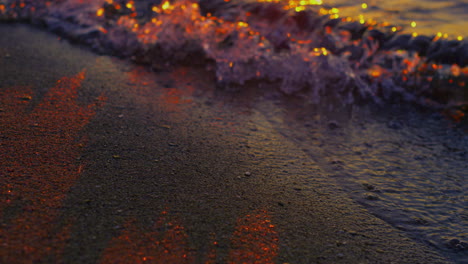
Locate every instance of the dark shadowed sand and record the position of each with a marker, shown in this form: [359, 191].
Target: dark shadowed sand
[103, 162]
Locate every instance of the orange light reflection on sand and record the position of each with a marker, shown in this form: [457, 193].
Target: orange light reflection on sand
[167, 243]
[174, 96]
[254, 240]
[38, 156]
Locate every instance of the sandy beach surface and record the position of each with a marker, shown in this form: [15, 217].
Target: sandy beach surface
[105, 162]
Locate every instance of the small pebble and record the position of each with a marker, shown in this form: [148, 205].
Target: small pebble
[368, 186]
[372, 197]
[247, 173]
[333, 125]
[336, 161]
[454, 242]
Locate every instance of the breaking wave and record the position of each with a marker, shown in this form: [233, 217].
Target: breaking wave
[301, 46]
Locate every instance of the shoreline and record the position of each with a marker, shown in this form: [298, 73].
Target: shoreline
[155, 160]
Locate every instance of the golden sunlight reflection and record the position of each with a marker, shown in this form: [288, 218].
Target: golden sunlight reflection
[166, 242]
[297, 5]
[39, 167]
[100, 12]
[253, 241]
[442, 15]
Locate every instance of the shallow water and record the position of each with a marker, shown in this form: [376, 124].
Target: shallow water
[431, 16]
[407, 167]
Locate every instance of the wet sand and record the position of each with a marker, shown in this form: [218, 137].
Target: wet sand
[113, 164]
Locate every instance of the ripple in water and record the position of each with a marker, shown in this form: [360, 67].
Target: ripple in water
[431, 16]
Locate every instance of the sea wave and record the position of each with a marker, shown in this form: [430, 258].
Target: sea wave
[299, 46]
